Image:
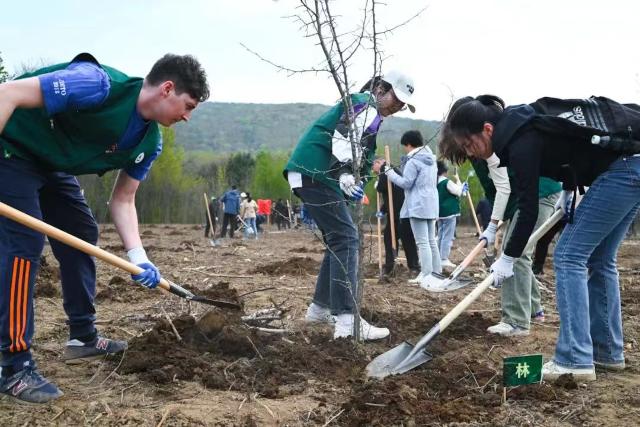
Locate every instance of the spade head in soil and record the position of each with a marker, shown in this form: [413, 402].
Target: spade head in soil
[396, 361]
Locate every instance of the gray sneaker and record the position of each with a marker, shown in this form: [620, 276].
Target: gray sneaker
[609, 366]
[28, 386]
[77, 351]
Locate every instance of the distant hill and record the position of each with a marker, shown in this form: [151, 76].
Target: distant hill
[229, 127]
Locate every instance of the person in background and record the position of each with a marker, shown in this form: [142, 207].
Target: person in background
[231, 208]
[213, 211]
[449, 194]
[281, 215]
[248, 213]
[419, 181]
[483, 211]
[402, 226]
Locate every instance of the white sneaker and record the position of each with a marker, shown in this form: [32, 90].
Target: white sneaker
[551, 372]
[344, 329]
[507, 330]
[445, 263]
[417, 280]
[318, 314]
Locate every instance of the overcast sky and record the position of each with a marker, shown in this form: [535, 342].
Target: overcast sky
[520, 50]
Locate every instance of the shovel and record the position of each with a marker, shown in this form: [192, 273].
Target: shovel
[89, 249]
[436, 282]
[405, 356]
[212, 241]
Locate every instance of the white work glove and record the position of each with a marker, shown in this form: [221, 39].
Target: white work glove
[502, 269]
[349, 187]
[564, 201]
[489, 234]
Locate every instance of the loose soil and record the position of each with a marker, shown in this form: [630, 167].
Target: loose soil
[191, 364]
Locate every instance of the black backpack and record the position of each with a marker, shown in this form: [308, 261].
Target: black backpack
[599, 120]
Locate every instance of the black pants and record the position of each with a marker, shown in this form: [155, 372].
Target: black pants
[404, 233]
[542, 247]
[228, 220]
[208, 227]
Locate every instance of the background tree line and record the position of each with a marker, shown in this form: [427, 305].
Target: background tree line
[173, 191]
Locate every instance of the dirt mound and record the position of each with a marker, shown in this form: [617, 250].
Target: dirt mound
[47, 280]
[424, 397]
[220, 291]
[221, 353]
[119, 289]
[296, 266]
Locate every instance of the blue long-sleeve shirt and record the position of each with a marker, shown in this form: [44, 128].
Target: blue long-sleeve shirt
[83, 85]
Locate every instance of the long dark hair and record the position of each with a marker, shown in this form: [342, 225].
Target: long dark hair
[467, 117]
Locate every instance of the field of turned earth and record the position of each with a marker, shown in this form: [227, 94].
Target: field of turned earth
[191, 364]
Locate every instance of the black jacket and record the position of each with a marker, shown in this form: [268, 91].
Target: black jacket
[398, 197]
[530, 153]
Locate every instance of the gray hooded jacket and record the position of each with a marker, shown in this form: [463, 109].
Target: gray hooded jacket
[419, 181]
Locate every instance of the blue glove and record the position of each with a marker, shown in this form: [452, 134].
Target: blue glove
[465, 189]
[150, 277]
[357, 193]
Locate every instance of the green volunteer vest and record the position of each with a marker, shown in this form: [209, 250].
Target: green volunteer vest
[547, 187]
[81, 142]
[312, 155]
[449, 203]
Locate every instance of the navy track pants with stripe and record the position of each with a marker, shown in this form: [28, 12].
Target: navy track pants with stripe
[55, 198]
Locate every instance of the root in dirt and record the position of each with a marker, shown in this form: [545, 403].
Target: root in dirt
[296, 266]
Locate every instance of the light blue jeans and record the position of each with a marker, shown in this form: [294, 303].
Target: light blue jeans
[585, 263]
[446, 233]
[424, 231]
[251, 224]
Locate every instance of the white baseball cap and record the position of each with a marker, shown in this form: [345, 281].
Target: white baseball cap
[402, 86]
[243, 194]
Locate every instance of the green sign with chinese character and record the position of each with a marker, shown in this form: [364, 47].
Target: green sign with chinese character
[519, 370]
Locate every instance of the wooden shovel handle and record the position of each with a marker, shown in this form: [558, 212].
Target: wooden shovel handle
[74, 242]
[206, 205]
[390, 211]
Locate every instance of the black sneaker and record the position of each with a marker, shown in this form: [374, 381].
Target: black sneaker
[77, 351]
[28, 387]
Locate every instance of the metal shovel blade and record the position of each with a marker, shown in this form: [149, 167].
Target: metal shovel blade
[394, 361]
[450, 285]
[215, 302]
[434, 280]
[438, 283]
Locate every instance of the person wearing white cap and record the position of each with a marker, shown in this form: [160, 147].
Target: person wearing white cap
[320, 172]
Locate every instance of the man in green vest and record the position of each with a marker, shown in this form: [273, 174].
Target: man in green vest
[69, 119]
